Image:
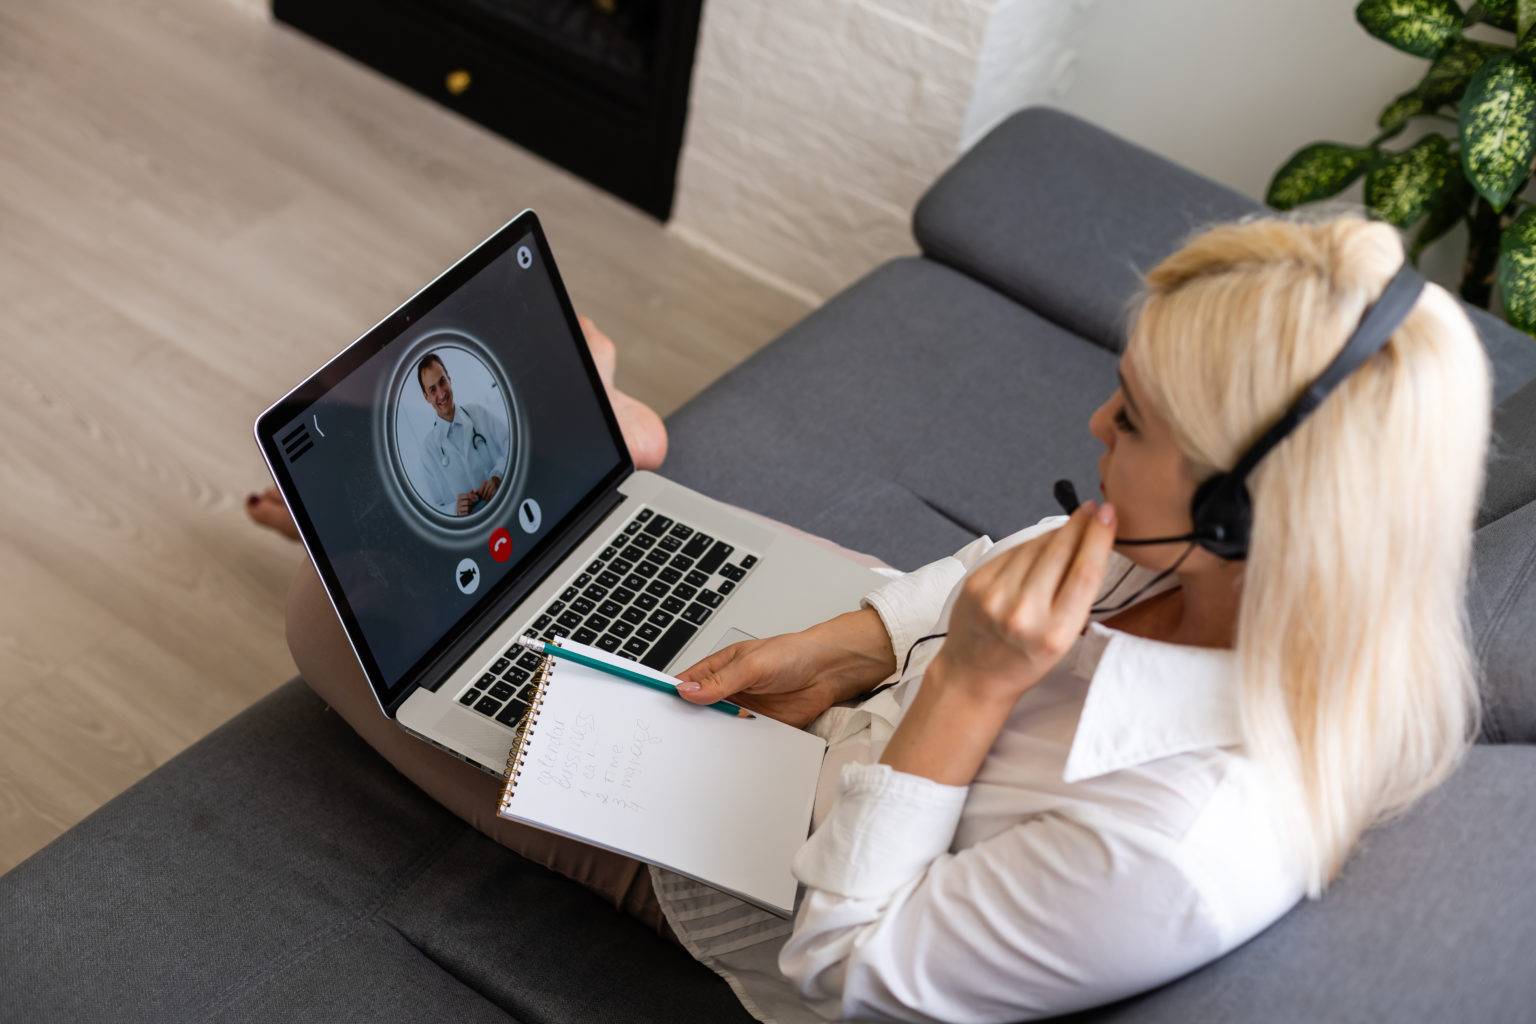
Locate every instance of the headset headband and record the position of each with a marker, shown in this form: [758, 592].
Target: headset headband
[1376, 326]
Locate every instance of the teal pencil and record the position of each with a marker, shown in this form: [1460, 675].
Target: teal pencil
[541, 647]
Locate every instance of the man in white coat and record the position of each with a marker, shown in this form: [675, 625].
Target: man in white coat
[465, 452]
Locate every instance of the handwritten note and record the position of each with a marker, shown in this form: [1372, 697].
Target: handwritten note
[576, 756]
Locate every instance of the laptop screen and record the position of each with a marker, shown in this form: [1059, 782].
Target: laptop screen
[430, 471]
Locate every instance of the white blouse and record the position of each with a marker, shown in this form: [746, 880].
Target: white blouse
[1115, 838]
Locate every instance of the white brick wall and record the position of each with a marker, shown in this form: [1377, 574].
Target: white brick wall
[815, 125]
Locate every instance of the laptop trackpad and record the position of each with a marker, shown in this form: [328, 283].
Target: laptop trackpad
[732, 635]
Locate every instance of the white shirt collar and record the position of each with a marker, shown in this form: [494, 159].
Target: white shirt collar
[1149, 699]
[438, 423]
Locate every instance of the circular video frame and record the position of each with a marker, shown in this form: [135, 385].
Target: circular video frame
[454, 434]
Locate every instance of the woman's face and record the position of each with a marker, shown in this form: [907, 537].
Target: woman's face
[1145, 475]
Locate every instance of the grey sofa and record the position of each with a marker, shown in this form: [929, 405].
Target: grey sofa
[279, 869]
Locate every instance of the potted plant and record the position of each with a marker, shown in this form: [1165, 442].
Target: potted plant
[1472, 174]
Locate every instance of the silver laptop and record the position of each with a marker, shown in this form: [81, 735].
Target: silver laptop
[459, 479]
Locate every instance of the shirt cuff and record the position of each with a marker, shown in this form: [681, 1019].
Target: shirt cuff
[884, 829]
[909, 605]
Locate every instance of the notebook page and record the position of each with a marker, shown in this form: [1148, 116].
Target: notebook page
[724, 800]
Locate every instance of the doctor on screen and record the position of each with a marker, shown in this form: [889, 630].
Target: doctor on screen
[465, 452]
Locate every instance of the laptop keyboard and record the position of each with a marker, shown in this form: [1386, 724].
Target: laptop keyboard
[643, 597]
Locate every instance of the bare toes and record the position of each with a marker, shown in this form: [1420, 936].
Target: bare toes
[267, 509]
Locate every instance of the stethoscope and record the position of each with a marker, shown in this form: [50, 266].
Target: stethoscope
[475, 437]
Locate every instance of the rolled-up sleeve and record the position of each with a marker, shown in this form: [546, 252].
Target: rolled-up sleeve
[910, 605]
[1047, 916]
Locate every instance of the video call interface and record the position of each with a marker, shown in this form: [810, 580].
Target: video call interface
[432, 470]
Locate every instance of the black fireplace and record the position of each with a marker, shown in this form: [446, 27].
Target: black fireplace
[597, 86]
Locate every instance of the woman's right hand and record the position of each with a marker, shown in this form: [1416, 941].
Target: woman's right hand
[794, 677]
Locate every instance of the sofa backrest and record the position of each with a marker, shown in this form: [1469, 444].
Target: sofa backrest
[1064, 217]
[1502, 595]
[1511, 456]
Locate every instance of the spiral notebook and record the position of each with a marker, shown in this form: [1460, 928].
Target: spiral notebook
[723, 800]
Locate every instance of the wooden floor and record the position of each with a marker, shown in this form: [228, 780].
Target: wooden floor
[198, 207]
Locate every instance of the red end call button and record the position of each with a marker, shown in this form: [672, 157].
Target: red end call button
[501, 544]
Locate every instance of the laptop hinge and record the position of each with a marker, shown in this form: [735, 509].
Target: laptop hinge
[473, 634]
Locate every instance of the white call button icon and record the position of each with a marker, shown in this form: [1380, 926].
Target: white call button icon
[529, 516]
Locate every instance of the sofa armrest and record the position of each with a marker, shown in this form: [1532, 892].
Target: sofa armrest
[1063, 216]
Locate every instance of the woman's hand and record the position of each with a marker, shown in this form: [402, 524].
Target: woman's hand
[794, 677]
[1019, 613]
[1014, 619]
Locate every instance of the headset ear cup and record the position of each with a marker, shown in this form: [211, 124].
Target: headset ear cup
[1222, 512]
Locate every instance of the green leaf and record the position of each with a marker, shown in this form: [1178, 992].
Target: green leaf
[1525, 17]
[1498, 13]
[1448, 76]
[1517, 271]
[1419, 27]
[1498, 128]
[1402, 187]
[1449, 209]
[1397, 113]
[1316, 172]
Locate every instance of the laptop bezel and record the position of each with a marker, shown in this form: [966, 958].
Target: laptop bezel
[547, 553]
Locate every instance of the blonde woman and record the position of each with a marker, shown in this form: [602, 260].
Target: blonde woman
[1104, 769]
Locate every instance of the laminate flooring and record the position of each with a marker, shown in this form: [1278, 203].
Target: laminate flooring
[198, 206]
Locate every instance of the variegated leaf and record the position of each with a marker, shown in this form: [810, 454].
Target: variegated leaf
[1517, 271]
[1402, 187]
[1448, 76]
[1316, 172]
[1498, 128]
[1448, 209]
[1499, 13]
[1397, 113]
[1419, 27]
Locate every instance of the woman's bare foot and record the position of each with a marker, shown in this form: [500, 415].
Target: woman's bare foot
[267, 508]
[644, 433]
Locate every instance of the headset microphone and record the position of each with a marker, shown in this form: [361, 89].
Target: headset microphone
[1066, 496]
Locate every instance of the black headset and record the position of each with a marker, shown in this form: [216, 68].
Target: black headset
[1222, 510]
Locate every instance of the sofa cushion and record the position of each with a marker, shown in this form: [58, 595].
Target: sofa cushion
[910, 413]
[1511, 476]
[1501, 604]
[1430, 921]
[279, 869]
[1512, 352]
[1065, 217]
[1502, 595]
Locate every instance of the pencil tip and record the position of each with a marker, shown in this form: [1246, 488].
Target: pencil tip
[744, 713]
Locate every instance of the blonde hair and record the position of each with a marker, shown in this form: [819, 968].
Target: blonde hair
[1357, 682]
